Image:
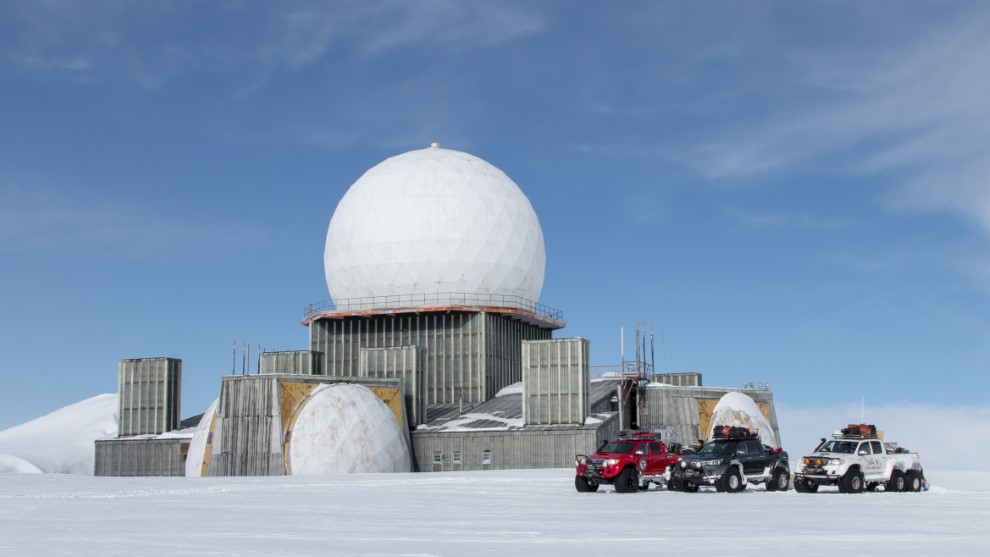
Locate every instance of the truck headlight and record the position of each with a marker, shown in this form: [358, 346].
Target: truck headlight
[683, 464]
[611, 462]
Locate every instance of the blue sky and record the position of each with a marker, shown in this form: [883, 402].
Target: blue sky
[803, 188]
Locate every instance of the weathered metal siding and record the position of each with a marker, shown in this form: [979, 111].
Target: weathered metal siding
[556, 382]
[141, 457]
[293, 362]
[149, 391]
[673, 411]
[247, 439]
[690, 379]
[503, 351]
[470, 356]
[400, 362]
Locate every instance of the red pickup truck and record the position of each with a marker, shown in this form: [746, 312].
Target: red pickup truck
[629, 463]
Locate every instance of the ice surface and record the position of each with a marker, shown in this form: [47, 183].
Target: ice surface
[345, 428]
[63, 441]
[517, 512]
[739, 410]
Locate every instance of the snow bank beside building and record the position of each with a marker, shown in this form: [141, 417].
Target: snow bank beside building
[63, 441]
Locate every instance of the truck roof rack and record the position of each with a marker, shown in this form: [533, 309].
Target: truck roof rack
[732, 432]
[642, 435]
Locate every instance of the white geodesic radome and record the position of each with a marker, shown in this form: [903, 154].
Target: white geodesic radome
[197, 446]
[433, 222]
[346, 429]
[740, 410]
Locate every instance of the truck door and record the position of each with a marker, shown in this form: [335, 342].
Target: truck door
[642, 456]
[656, 459]
[756, 457]
[880, 456]
[872, 464]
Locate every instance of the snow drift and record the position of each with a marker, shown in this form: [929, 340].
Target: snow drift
[60, 442]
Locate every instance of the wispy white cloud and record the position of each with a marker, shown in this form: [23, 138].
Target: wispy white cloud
[937, 433]
[915, 109]
[805, 221]
[151, 44]
[449, 24]
[41, 220]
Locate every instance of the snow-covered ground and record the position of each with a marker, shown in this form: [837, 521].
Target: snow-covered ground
[520, 512]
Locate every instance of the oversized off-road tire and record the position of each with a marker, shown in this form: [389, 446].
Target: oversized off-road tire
[627, 481]
[851, 482]
[897, 482]
[673, 484]
[583, 485]
[730, 482]
[804, 486]
[913, 481]
[779, 481]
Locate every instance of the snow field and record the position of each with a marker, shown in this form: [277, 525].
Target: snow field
[518, 512]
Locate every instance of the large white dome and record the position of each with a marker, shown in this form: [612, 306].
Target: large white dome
[429, 222]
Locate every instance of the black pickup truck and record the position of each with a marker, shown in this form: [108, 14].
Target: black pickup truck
[734, 457]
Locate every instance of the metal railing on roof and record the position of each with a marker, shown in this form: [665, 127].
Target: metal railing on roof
[626, 369]
[444, 299]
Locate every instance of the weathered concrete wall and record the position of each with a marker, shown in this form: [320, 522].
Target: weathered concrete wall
[556, 383]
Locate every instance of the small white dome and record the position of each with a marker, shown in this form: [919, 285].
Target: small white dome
[434, 221]
[740, 410]
[196, 455]
[345, 428]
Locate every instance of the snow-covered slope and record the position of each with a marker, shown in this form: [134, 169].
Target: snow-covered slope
[62, 441]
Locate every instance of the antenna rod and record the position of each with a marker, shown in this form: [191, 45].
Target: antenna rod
[663, 338]
[653, 355]
[622, 347]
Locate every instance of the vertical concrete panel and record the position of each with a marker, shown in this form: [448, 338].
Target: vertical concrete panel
[556, 382]
[148, 395]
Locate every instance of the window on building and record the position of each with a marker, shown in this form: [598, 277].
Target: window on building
[486, 458]
[436, 457]
[457, 457]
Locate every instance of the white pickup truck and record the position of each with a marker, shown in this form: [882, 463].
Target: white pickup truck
[858, 461]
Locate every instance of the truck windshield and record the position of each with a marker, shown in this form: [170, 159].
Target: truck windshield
[835, 446]
[619, 447]
[718, 447]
